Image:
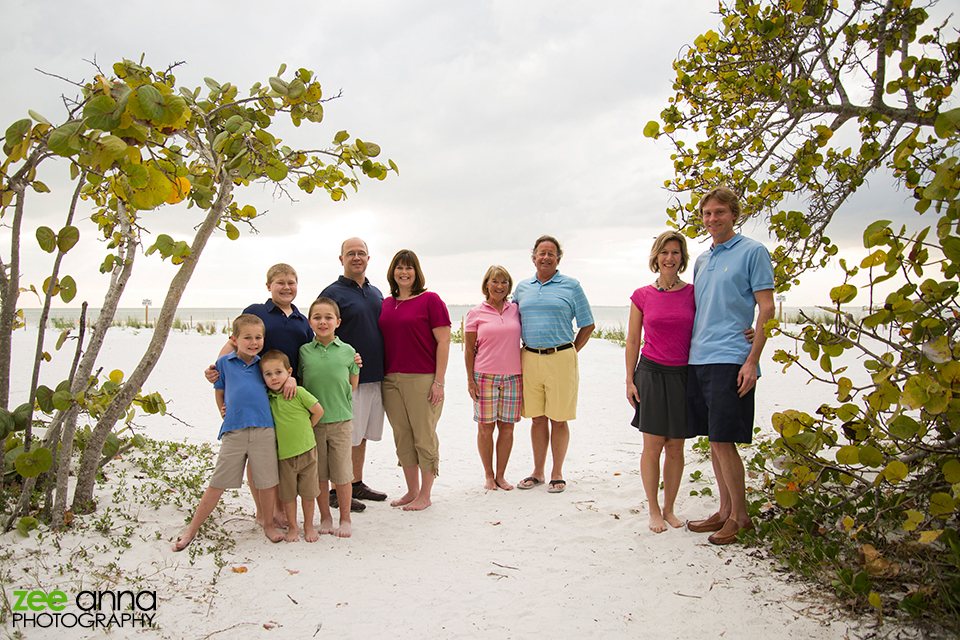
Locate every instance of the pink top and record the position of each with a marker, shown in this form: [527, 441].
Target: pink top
[498, 338]
[667, 323]
[407, 327]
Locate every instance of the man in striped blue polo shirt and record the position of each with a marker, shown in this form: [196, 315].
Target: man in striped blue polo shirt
[549, 303]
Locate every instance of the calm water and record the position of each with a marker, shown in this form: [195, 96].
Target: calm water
[607, 317]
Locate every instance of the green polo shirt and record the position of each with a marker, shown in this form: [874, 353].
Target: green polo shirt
[292, 421]
[325, 372]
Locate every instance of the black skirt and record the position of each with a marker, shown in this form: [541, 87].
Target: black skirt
[662, 410]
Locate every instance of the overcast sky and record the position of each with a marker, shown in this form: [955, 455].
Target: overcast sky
[507, 119]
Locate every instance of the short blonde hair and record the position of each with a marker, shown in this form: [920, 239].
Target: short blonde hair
[243, 320]
[495, 271]
[723, 195]
[279, 269]
[661, 242]
[275, 354]
[326, 301]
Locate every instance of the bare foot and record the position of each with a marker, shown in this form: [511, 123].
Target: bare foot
[280, 519]
[406, 499]
[344, 531]
[291, 535]
[309, 533]
[272, 534]
[657, 525]
[417, 505]
[503, 484]
[490, 484]
[182, 543]
[326, 526]
[673, 520]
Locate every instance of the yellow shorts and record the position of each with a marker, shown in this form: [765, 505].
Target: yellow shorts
[550, 385]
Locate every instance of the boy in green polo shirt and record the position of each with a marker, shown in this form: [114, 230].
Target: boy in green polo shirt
[328, 371]
[296, 447]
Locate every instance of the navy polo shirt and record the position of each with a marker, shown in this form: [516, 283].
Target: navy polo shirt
[282, 332]
[359, 327]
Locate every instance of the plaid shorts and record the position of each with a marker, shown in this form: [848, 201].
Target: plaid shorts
[499, 398]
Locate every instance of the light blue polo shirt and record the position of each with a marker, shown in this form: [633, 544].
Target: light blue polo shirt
[548, 309]
[244, 394]
[724, 281]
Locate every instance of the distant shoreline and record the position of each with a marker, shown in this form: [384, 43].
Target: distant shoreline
[216, 318]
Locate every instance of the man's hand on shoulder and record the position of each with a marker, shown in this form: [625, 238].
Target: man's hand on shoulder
[211, 374]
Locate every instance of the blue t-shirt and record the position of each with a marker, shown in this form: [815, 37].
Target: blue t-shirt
[724, 281]
[245, 394]
[548, 309]
[282, 332]
[359, 327]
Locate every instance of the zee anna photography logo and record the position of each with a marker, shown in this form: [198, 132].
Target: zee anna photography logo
[96, 609]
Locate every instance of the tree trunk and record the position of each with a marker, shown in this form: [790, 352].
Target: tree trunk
[9, 293]
[86, 476]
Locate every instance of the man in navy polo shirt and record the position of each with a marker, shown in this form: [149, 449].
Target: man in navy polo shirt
[729, 281]
[360, 304]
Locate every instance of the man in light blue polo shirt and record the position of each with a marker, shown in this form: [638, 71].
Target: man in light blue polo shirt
[549, 303]
[730, 280]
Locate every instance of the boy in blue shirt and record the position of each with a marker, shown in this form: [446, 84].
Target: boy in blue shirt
[247, 432]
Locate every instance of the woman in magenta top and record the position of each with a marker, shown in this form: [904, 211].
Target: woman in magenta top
[416, 336]
[491, 337]
[657, 384]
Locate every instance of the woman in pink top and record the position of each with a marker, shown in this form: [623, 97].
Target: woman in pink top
[491, 338]
[416, 337]
[657, 375]
[657, 384]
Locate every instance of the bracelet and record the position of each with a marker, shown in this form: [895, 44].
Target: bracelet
[439, 384]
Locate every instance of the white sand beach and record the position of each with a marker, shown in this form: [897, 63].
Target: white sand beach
[477, 564]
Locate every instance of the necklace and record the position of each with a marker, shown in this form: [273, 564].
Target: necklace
[656, 283]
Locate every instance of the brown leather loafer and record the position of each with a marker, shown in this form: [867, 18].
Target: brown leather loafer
[728, 533]
[362, 492]
[713, 523]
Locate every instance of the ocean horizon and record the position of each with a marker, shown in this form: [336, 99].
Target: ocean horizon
[213, 319]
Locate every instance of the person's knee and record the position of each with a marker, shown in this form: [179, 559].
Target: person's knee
[505, 427]
[485, 429]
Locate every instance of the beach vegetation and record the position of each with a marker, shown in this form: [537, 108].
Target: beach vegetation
[617, 334]
[798, 105]
[134, 141]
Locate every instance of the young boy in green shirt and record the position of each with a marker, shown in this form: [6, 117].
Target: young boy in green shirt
[328, 371]
[296, 446]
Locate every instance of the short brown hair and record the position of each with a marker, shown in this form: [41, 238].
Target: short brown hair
[495, 271]
[279, 268]
[243, 320]
[661, 242]
[546, 238]
[407, 258]
[323, 300]
[276, 354]
[723, 195]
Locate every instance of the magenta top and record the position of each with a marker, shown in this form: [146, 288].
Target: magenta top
[667, 323]
[498, 338]
[407, 327]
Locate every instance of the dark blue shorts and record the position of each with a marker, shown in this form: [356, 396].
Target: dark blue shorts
[713, 407]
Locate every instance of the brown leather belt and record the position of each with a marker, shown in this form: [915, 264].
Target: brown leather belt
[549, 350]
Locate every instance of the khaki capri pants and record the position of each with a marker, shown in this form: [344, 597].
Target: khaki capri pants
[414, 419]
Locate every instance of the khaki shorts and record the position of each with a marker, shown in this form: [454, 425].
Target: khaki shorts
[256, 444]
[334, 451]
[414, 419]
[550, 384]
[298, 477]
[367, 413]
